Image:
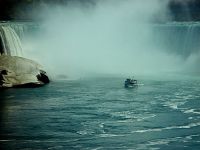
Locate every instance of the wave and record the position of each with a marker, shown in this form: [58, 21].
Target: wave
[191, 125]
[192, 111]
[167, 141]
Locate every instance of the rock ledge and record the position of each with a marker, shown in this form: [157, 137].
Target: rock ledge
[21, 72]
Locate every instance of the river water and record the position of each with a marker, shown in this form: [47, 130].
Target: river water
[99, 113]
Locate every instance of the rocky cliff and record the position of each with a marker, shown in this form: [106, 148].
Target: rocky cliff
[21, 72]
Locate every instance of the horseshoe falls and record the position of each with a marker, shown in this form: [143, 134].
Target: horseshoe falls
[178, 38]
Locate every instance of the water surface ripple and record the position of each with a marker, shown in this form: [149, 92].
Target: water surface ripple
[101, 114]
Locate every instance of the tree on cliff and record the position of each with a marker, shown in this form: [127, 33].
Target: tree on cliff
[181, 10]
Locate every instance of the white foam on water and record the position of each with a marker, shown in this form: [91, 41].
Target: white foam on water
[83, 132]
[191, 111]
[191, 125]
[110, 135]
[190, 118]
[55, 147]
[97, 148]
[146, 117]
[174, 104]
[154, 143]
[128, 116]
[6, 140]
[161, 142]
[101, 125]
[147, 130]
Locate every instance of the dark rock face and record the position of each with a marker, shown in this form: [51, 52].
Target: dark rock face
[43, 77]
[21, 72]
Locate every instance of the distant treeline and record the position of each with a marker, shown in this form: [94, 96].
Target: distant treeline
[185, 10]
[181, 10]
[21, 9]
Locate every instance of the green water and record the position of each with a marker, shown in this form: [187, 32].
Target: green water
[101, 114]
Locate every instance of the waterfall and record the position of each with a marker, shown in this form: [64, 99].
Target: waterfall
[10, 41]
[178, 38]
[11, 35]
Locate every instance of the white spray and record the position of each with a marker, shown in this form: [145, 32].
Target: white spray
[108, 37]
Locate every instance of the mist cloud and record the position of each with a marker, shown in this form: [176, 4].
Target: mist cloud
[108, 37]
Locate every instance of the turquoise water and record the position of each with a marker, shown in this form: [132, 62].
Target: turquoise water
[101, 114]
